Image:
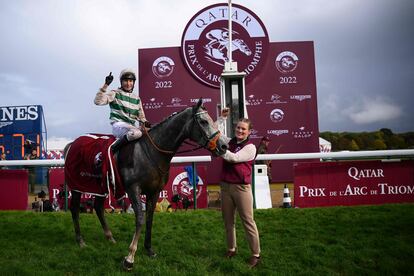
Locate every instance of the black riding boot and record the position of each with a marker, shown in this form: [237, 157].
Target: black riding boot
[119, 143]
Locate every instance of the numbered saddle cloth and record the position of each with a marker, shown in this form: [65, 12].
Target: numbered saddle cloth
[91, 168]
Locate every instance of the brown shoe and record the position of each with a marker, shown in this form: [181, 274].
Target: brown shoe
[254, 261]
[230, 254]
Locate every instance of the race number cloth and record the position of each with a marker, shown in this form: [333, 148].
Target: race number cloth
[91, 168]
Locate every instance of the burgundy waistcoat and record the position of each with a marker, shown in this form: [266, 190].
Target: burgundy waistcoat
[237, 173]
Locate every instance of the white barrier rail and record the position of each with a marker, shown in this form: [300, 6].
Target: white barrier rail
[381, 154]
[61, 162]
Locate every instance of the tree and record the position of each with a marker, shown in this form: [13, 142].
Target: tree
[396, 142]
[387, 132]
[379, 144]
[353, 145]
[377, 140]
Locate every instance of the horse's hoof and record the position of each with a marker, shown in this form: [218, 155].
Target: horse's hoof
[151, 254]
[81, 242]
[112, 240]
[127, 265]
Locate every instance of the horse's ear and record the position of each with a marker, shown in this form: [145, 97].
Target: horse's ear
[197, 106]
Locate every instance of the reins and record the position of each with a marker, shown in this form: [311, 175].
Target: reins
[211, 142]
[155, 145]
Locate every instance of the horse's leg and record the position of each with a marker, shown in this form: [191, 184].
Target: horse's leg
[74, 209]
[99, 209]
[135, 199]
[150, 207]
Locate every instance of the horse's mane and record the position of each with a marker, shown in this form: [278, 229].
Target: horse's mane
[167, 119]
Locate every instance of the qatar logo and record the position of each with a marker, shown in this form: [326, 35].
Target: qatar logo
[277, 115]
[182, 186]
[286, 62]
[206, 40]
[163, 67]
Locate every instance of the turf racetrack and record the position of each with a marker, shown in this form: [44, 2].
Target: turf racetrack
[320, 241]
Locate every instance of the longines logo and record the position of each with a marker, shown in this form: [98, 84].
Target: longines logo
[277, 115]
[277, 132]
[205, 100]
[286, 62]
[153, 104]
[300, 97]
[18, 113]
[302, 133]
[276, 99]
[5, 124]
[251, 100]
[205, 42]
[163, 67]
[182, 186]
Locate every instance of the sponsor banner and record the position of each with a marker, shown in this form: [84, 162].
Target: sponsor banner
[162, 97]
[178, 183]
[285, 106]
[20, 118]
[14, 187]
[19, 124]
[353, 183]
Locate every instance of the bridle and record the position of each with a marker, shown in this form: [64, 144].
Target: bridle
[208, 142]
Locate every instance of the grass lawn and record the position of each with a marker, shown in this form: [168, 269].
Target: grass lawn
[368, 240]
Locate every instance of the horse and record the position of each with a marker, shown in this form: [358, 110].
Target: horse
[214, 50]
[144, 167]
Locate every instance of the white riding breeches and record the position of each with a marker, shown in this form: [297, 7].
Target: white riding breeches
[119, 129]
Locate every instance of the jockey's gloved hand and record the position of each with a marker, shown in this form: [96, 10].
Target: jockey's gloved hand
[147, 124]
[109, 79]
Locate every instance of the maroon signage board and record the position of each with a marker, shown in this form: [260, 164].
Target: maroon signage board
[281, 102]
[14, 187]
[280, 82]
[281, 105]
[353, 183]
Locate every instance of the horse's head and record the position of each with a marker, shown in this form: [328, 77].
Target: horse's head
[242, 46]
[204, 132]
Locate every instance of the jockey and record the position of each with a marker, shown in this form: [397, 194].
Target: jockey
[126, 108]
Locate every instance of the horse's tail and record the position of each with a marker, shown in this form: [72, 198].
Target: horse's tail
[66, 150]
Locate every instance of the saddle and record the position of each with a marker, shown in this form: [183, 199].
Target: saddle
[90, 166]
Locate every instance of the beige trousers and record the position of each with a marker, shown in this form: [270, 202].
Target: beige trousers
[239, 197]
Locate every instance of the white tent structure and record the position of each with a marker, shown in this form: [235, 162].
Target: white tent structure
[324, 145]
[55, 146]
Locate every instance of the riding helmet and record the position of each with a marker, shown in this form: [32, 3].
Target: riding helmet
[127, 74]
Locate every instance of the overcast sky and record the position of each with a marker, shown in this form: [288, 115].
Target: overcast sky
[57, 53]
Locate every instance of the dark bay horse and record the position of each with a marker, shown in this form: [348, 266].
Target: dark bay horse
[144, 166]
